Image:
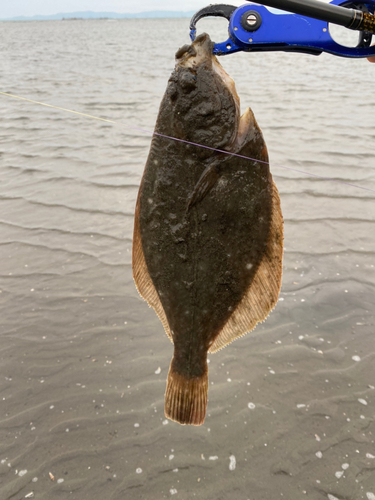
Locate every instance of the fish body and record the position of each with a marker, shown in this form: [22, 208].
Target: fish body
[208, 234]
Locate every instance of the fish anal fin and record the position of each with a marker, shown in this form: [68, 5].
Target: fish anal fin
[142, 277]
[186, 398]
[263, 292]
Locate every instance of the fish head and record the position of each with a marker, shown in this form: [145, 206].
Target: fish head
[203, 99]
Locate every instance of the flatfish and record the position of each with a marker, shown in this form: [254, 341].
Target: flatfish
[208, 233]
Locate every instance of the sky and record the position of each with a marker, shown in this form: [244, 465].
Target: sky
[13, 8]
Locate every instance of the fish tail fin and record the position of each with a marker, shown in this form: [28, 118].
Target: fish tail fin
[186, 398]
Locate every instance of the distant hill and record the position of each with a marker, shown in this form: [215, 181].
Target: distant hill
[104, 15]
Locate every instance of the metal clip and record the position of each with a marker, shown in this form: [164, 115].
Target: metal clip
[253, 28]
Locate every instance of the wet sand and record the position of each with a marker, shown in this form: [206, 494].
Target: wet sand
[84, 361]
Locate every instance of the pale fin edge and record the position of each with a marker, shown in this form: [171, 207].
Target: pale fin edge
[142, 277]
[262, 295]
[186, 398]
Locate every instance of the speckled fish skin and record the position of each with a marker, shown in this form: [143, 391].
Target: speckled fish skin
[208, 226]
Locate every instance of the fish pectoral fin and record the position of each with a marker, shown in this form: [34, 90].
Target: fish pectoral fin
[210, 176]
[206, 182]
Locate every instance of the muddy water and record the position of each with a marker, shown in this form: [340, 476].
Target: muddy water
[83, 360]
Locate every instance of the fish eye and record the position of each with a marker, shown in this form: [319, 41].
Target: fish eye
[172, 90]
[188, 81]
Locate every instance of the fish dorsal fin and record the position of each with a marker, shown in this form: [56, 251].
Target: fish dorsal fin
[142, 277]
[262, 294]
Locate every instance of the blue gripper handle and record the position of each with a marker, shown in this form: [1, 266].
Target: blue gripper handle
[283, 31]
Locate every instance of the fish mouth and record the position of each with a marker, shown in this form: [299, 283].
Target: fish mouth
[191, 56]
[200, 52]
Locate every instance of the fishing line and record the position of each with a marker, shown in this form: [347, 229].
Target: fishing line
[186, 142]
[57, 107]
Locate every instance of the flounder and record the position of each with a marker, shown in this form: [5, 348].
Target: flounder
[208, 234]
